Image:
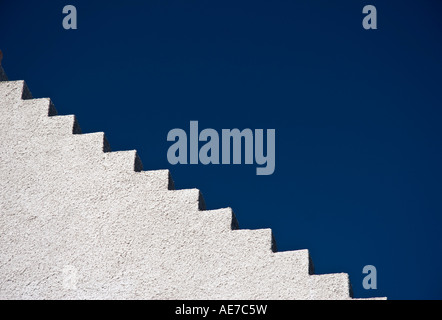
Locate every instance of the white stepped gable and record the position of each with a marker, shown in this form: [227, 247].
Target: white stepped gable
[81, 222]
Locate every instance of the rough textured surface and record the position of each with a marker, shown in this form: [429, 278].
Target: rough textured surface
[80, 221]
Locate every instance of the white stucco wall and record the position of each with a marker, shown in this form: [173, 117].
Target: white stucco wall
[77, 221]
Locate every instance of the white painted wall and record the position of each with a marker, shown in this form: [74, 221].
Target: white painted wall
[78, 222]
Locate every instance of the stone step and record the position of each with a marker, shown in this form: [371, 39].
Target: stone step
[335, 286]
[219, 220]
[14, 91]
[296, 263]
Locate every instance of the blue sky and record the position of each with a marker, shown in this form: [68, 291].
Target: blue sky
[357, 113]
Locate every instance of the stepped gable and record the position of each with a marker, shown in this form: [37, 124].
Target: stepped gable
[79, 221]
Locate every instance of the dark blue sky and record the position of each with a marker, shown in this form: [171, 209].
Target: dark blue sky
[357, 113]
